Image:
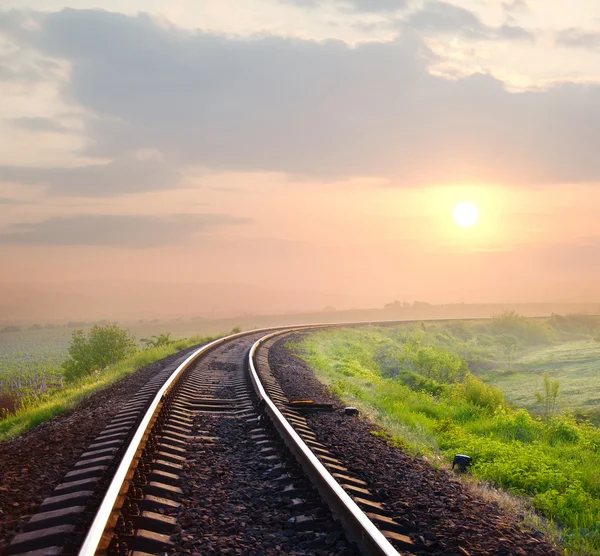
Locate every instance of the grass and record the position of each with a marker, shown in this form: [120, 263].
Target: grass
[25, 350]
[58, 401]
[552, 460]
[576, 364]
[31, 357]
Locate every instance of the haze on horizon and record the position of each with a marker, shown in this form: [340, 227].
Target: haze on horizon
[308, 150]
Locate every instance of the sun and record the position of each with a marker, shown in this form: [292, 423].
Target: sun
[465, 214]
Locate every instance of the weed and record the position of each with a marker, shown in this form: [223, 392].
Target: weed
[548, 397]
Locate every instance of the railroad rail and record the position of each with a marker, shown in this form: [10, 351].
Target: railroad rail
[122, 495]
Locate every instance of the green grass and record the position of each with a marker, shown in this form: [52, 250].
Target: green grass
[56, 402]
[554, 463]
[30, 359]
[27, 350]
[576, 364]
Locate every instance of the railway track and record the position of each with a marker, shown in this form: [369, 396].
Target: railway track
[180, 468]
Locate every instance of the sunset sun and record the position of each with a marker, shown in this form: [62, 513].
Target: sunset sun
[465, 214]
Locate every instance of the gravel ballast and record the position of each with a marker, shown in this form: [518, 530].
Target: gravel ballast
[243, 492]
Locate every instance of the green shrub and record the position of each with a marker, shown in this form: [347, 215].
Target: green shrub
[575, 325]
[157, 341]
[418, 382]
[474, 391]
[563, 429]
[93, 352]
[528, 331]
[435, 362]
[517, 425]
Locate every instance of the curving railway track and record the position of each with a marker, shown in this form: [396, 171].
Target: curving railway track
[205, 434]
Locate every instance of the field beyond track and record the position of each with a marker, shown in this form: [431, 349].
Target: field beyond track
[478, 388]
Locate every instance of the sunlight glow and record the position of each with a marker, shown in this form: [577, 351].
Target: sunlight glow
[465, 214]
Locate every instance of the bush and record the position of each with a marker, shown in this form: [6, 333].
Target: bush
[528, 331]
[418, 382]
[474, 391]
[575, 324]
[563, 429]
[158, 341]
[434, 362]
[100, 347]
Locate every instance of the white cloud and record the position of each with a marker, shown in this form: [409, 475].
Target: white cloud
[299, 107]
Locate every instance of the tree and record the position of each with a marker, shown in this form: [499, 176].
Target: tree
[548, 397]
[93, 352]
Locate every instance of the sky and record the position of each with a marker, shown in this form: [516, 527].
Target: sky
[312, 149]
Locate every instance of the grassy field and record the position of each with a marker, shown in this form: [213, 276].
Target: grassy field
[32, 381]
[421, 384]
[48, 404]
[30, 359]
[576, 364]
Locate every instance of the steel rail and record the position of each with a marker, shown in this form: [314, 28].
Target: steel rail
[359, 527]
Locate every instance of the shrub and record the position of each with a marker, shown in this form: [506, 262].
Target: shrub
[476, 392]
[436, 363]
[575, 324]
[418, 382]
[516, 425]
[389, 360]
[158, 341]
[100, 347]
[563, 429]
[529, 331]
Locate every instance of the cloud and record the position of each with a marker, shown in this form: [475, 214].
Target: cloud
[442, 17]
[363, 6]
[39, 124]
[579, 38]
[133, 231]
[308, 109]
[126, 174]
[376, 5]
[19, 62]
[11, 201]
[515, 6]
